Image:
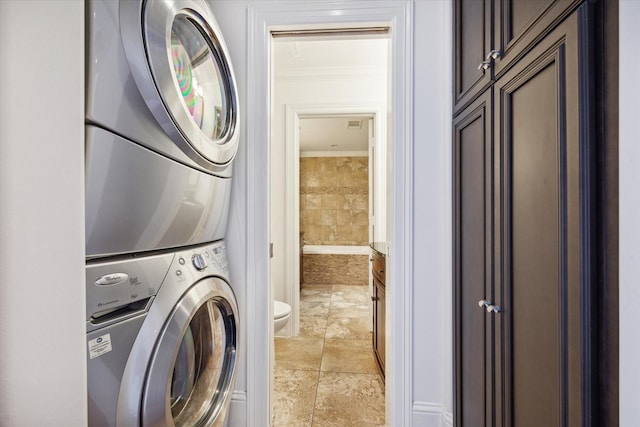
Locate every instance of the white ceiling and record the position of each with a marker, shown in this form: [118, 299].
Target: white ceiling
[307, 57]
[326, 134]
[296, 54]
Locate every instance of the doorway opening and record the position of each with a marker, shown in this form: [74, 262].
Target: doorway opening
[267, 17]
[328, 192]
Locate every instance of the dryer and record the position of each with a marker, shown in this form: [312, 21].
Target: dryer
[162, 339]
[162, 126]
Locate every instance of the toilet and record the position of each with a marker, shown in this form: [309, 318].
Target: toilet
[281, 314]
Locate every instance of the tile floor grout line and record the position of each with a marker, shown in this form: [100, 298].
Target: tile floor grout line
[324, 338]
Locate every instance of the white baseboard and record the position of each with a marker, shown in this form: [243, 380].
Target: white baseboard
[237, 416]
[429, 414]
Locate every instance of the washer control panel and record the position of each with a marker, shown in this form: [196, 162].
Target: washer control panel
[204, 260]
[219, 255]
[123, 288]
[117, 290]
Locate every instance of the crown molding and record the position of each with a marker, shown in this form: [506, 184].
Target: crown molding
[330, 73]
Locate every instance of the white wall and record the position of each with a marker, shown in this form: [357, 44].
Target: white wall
[629, 93]
[42, 297]
[432, 281]
[307, 89]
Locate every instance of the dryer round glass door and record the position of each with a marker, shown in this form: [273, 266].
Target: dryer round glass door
[191, 375]
[181, 65]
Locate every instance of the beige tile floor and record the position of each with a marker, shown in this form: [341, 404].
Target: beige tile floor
[327, 376]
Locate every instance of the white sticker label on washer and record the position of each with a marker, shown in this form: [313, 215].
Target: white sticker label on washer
[100, 346]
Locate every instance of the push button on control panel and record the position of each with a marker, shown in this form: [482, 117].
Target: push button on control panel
[198, 262]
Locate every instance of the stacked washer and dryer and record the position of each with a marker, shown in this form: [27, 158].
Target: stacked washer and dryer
[161, 133]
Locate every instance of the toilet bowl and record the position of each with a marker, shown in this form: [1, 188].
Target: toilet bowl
[281, 314]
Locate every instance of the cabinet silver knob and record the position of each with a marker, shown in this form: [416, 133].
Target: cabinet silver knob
[494, 54]
[493, 309]
[486, 304]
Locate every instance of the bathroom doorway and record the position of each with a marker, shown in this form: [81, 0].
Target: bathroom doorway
[328, 92]
[335, 198]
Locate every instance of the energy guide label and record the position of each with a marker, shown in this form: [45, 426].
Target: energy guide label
[99, 346]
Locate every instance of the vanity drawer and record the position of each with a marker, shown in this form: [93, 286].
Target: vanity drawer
[379, 267]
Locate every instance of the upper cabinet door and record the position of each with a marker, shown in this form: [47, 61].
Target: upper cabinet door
[521, 24]
[491, 35]
[472, 42]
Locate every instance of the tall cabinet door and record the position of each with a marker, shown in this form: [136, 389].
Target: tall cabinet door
[541, 124]
[473, 263]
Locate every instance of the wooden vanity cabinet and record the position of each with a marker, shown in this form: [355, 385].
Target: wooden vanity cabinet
[379, 309]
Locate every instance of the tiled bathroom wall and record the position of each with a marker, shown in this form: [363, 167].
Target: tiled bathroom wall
[334, 200]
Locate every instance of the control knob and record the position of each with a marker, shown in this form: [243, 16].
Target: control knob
[198, 262]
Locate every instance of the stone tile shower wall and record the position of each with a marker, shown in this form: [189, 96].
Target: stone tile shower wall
[334, 210]
[334, 200]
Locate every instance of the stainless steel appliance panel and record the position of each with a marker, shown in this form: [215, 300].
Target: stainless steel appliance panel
[105, 371]
[138, 200]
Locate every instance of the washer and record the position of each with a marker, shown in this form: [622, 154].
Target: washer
[162, 126]
[162, 339]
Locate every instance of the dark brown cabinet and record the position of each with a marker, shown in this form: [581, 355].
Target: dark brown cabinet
[473, 189]
[491, 35]
[522, 234]
[379, 307]
[472, 41]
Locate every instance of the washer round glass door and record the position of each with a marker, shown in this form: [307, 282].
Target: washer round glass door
[192, 91]
[191, 374]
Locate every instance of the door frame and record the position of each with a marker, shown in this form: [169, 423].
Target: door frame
[259, 342]
[292, 193]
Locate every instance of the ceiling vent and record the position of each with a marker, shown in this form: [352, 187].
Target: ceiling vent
[354, 124]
